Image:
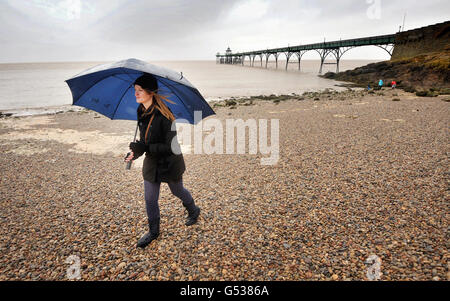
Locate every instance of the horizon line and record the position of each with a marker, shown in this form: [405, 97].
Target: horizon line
[174, 60]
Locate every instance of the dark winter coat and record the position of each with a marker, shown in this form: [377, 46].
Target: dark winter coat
[161, 164]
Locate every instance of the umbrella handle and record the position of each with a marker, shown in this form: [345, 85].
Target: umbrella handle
[134, 140]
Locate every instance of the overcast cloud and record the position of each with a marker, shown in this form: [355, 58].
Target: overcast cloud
[100, 30]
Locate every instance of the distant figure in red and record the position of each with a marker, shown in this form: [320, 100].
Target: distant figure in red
[393, 84]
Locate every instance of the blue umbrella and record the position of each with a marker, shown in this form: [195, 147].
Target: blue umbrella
[108, 89]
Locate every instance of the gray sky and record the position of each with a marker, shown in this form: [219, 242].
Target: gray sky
[101, 30]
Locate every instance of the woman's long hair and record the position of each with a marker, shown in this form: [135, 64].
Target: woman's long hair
[158, 103]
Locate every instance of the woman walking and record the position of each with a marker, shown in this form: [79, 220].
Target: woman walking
[161, 164]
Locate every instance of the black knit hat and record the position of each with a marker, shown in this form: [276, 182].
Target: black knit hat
[147, 82]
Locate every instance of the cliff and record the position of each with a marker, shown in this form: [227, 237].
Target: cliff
[420, 62]
[411, 43]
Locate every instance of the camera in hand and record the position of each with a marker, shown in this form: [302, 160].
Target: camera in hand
[129, 162]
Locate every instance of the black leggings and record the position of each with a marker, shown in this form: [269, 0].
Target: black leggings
[152, 195]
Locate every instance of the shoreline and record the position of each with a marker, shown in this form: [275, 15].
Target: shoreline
[51, 110]
[39, 111]
[350, 89]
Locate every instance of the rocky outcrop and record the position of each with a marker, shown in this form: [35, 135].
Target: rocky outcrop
[423, 72]
[420, 62]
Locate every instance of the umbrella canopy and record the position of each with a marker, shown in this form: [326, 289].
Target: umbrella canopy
[108, 89]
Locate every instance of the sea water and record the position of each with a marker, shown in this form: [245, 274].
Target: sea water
[31, 88]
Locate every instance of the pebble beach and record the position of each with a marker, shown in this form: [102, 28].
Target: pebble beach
[359, 174]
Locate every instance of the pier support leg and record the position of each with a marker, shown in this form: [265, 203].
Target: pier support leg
[288, 55]
[322, 59]
[338, 52]
[323, 55]
[299, 56]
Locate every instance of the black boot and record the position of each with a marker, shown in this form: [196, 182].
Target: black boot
[193, 215]
[151, 235]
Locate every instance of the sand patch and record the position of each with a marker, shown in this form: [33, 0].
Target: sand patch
[395, 120]
[28, 149]
[297, 110]
[345, 116]
[26, 123]
[91, 142]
